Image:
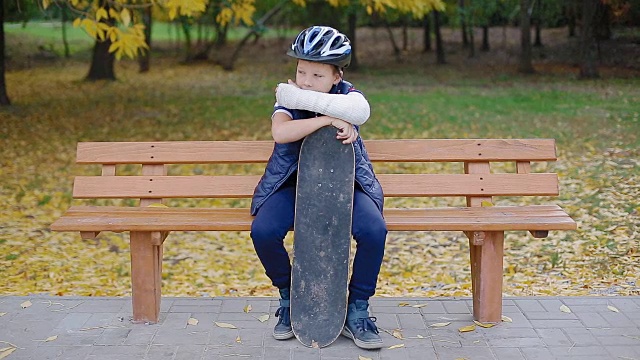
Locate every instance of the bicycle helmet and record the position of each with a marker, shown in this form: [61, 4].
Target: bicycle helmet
[322, 44]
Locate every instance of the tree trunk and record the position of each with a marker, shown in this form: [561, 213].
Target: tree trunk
[537, 42]
[588, 43]
[526, 57]
[571, 13]
[439, 46]
[352, 20]
[394, 44]
[463, 23]
[102, 62]
[4, 98]
[485, 39]
[426, 27]
[144, 61]
[65, 40]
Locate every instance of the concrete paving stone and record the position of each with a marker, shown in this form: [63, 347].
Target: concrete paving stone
[117, 352]
[305, 353]
[411, 321]
[113, 337]
[241, 316]
[516, 342]
[259, 305]
[233, 305]
[551, 305]
[175, 321]
[73, 321]
[527, 306]
[613, 331]
[104, 305]
[593, 320]
[73, 338]
[141, 335]
[204, 301]
[276, 353]
[189, 352]
[408, 354]
[554, 337]
[205, 320]
[433, 307]
[618, 319]
[180, 337]
[165, 304]
[233, 352]
[579, 352]
[517, 320]
[251, 337]
[556, 315]
[438, 318]
[556, 323]
[510, 308]
[161, 352]
[580, 337]
[619, 340]
[508, 354]
[387, 321]
[455, 338]
[248, 323]
[345, 348]
[456, 307]
[465, 353]
[585, 300]
[195, 309]
[504, 332]
[624, 352]
[270, 341]
[537, 353]
[103, 319]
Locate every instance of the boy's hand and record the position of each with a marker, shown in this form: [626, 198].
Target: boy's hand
[346, 132]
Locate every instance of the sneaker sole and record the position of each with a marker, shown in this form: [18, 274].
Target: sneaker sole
[362, 344]
[283, 336]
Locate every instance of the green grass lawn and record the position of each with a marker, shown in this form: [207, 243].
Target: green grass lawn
[596, 124]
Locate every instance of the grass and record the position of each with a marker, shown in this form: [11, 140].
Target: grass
[596, 124]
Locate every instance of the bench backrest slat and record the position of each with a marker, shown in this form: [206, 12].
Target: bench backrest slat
[406, 150]
[394, 185]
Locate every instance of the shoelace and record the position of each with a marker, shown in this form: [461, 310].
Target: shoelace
[367, 324]
[283, 314]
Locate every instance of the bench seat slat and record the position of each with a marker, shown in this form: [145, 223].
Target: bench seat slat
[402, 150]
[115, 218]
[394, 185]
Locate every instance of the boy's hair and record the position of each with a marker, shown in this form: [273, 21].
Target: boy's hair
[322, 44]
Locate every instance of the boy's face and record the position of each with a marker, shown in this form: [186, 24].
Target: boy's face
[316, 76]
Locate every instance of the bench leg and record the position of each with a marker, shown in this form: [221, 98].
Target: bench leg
[146, 277]
[486, 277]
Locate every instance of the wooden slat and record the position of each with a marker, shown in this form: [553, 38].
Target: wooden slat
[400, 150]
[114, 218]
[240, 186]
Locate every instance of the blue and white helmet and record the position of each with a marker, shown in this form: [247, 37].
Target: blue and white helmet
[322, 44]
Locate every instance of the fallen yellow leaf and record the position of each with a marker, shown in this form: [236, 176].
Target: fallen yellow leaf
[225, 325]
[158, 205]
[484, 325]
[263, 318]
[442, 324]
[51, 338]
[419, 305]
[192, 321]
[506, 319]
[314, 344]
[403, 304]
[397, 334]
[247, 308]
[486, 203]
[565, 309]
[3, 313]
[360, 357]
[613, 308]
[467, 328]
[26, 304]
[395, 346]
[6, 353]
[238, 340]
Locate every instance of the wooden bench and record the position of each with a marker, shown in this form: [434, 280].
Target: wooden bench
[482, 223]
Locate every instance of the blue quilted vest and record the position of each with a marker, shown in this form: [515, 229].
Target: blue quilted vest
[284, 162]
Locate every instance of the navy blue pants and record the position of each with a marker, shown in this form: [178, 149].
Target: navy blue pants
[275, 218]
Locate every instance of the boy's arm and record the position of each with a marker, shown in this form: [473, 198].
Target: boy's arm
[286, 130]
[352, 107]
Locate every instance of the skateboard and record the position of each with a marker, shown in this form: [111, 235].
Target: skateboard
[322, 235]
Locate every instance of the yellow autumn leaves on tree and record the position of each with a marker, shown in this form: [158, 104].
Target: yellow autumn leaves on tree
[115, 20]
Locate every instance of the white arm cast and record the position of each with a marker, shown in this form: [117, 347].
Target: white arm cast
[352, 108]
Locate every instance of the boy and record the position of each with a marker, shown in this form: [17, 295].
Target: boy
[319, 97]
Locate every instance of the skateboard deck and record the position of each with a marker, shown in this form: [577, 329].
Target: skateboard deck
[322, 235]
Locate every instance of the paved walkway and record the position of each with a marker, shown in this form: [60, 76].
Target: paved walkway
[100, 328]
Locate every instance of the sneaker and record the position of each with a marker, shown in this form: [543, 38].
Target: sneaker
[283, 330]
[360, 326]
